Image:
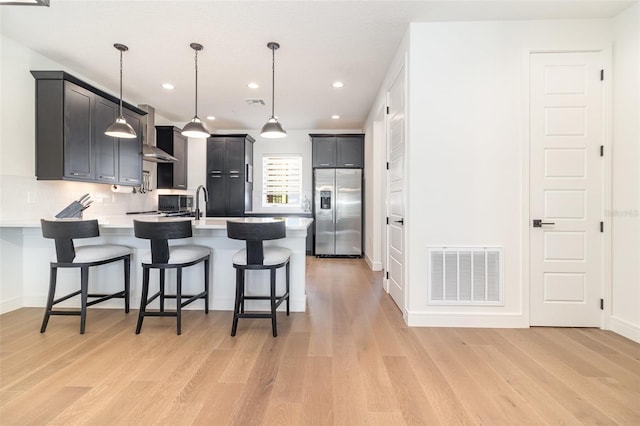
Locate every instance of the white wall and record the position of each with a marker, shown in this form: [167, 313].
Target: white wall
[625, 212]
[21, 195]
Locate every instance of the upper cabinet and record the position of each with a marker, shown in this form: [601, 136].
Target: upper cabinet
[71, 118]
[345, 151]
[172, 175]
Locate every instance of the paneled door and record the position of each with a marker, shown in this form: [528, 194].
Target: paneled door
[395, 188]
[566, 195]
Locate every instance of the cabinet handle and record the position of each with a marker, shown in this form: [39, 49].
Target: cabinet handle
[348, 164]
[234, 176]
[215, 176]
[215, 172]
[130, 180]
[234, 171]
[181, 186]
[107, 177]
[324, 164]
[78, 174]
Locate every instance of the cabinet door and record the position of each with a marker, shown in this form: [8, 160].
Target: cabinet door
[324, 152]
[78, 132]
[235, 195]
[179, 167]
[216, 151]
[350, 151]
[235, 156]
[217, 205]
[105, 147]
[130, 153]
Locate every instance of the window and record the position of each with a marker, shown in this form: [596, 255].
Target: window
[281, 180]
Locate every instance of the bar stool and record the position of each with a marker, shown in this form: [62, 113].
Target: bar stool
[163, 257]
[83, 257]
[258, 257]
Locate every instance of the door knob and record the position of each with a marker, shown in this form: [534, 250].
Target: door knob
[537, 223]
[401, 221]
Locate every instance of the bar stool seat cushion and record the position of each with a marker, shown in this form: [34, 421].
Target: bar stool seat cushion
[273, 255]
[182, 254]
[97, 253]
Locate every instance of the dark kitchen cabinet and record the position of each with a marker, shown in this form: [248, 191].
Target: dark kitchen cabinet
[229, 174]
[71, 118]
[337, 151]
[172, 175]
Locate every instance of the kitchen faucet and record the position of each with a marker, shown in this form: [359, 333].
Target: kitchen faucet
[206, 199]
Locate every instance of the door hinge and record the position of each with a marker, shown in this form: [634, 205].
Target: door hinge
[601, 75]
[387, 165]
[601, 150]
[602, 304]
[387, 221]
[387, 274]
[601, 226]
[387, 110]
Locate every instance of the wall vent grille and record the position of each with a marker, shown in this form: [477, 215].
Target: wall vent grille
[465, 276]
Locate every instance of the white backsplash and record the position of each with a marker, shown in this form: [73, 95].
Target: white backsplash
[25, 198]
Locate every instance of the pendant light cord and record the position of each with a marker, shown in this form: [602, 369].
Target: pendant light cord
[196, 60]
[273, 81]
[120, 83]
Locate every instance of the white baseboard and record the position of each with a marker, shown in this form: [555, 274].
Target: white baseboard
[461, 319]
[374, 266]
[10, 304]
[625, 328]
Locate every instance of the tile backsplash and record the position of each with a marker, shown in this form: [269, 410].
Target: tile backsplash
[25, 198]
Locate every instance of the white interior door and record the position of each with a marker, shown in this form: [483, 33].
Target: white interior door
[395, 190]
[566, 195]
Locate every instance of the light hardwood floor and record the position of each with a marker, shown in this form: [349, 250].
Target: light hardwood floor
[348, 360]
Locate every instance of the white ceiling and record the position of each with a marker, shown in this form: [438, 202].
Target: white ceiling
[321, 41]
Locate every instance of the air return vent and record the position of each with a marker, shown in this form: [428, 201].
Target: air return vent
[465, 276]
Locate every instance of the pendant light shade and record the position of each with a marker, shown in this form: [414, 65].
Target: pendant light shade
[273, 129]
[196, 128]
[120, 128]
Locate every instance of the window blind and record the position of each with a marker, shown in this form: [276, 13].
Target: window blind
[281, 180]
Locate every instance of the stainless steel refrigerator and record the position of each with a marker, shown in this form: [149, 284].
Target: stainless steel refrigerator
[338, 212]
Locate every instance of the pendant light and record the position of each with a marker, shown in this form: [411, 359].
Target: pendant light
[120, 128]
[196, 128]
[273, 129]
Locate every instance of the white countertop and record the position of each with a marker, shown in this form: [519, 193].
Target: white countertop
[126, 221]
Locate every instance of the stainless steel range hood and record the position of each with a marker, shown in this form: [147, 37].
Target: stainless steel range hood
[150, 152]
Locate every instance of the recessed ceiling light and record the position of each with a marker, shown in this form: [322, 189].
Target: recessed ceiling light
[168, 86]
[337, 84]
[253, 85]
[335, 117]
[210, 117]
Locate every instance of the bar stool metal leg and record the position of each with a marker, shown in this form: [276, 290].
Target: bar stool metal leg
[274, 327]
[84, 291]
[53, 275]
[143, 298]
[206, 286]
[127, 282]
[162, 277]
[179, 301]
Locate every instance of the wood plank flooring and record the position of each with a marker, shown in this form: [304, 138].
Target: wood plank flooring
[349, 360]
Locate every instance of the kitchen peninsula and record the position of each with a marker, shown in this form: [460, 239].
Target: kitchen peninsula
[25, 256]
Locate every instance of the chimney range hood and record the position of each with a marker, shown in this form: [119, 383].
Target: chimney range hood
[150, 152]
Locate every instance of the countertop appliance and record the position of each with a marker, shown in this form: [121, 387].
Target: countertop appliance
[338, 212]
[175, 203]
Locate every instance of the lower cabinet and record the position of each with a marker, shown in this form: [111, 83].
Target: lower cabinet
[226, 195]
